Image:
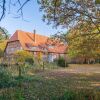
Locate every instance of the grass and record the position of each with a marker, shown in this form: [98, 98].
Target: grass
[56, 84]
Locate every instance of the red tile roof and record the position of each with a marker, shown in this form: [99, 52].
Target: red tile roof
[32, 40]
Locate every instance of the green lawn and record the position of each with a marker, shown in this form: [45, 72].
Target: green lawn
[78, 82]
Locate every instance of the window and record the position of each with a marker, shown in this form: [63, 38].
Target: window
[33, 48]
[12, 49]
[51, 46]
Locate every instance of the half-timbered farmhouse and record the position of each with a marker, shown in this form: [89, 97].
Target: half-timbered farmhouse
[35, 43]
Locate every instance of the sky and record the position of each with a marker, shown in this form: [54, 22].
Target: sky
[33, 18]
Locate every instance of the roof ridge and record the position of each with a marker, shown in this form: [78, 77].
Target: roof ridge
[32, 33]
[41, 35]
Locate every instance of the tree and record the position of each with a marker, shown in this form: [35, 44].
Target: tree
[97, 1]
[67, 13]
[61, 12]
[3, 40]
[83, 42]
[3, 34]
[2, 47]
[6, 5]
[23, 57]
[59, 37]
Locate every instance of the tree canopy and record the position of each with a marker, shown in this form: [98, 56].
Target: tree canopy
[84, 43]
[68, 13]
[3, 34]
[3, 40]
[62, 12]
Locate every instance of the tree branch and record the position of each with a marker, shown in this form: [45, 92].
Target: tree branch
[23, 5]
[3, 9]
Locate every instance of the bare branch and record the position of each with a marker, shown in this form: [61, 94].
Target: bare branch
[23, 5]
[3, 10]
[9, 5]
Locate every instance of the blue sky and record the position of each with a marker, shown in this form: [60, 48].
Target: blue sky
[34, 21]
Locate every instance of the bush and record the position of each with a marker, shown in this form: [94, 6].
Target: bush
[24, 56]
[5, 78]
[29, 60]
[3, 65]
[61, 62]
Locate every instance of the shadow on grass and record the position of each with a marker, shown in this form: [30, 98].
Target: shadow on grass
[51, 85]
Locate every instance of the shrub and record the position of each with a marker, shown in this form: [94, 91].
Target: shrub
[22, 56]
[5, 78]
[61, 62]
[29, 60]
[4, 65]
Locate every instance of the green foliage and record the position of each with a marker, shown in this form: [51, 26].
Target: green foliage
[53, 86]
[3, 34]
[3, 40]
[61, 62]
[5, 78]
[18, 95]
[23, 56]
[12, 94]
[1, 53]
[67, 12]
[29, 60]
[3, 65]
[78, 95]
[2, 47]
[83, 41]
[97, 1]
[69, 95]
